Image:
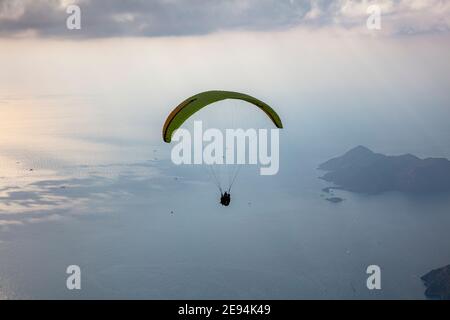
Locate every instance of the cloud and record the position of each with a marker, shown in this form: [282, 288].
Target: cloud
[112, 18]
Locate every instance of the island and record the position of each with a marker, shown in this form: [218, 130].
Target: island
[364, 171]
[438, 283]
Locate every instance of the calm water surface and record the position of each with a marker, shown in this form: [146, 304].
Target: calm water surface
[83, 182]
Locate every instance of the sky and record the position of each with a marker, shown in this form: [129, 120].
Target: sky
[310, 57]
[116, 18]
[335, 83]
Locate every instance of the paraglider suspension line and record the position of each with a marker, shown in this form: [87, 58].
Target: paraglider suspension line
[213, 175]
[234, 177]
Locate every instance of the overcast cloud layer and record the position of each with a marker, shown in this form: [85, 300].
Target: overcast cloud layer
[109, 18]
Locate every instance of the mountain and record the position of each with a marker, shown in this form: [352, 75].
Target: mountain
[362, 170]
[438, 283]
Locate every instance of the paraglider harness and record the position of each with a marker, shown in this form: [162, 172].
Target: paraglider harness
[225, 199]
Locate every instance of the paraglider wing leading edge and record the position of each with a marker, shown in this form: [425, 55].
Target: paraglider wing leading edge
[193, 104]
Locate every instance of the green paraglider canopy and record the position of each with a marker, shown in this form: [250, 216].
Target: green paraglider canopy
[193, 104]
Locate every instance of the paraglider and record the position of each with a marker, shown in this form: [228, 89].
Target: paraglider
[197, 102]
